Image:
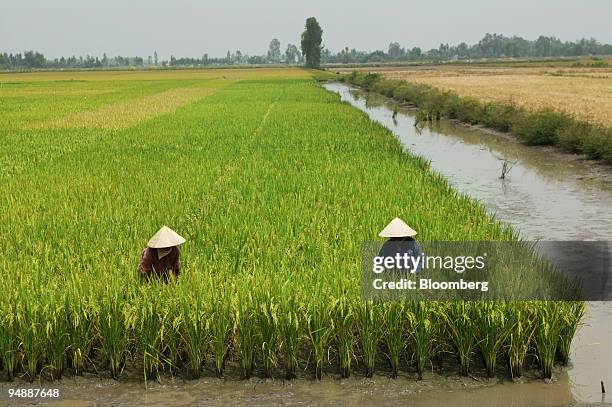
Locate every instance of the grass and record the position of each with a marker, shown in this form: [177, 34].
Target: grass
[274, 182]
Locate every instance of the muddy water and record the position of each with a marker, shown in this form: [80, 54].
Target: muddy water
[380, 391]
[547, 195]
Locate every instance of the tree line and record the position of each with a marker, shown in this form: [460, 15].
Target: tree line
[312, 53]
[490, 46]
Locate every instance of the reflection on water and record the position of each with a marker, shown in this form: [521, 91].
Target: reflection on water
[546, 195]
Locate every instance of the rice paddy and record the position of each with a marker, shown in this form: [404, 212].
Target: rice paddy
[275, 184]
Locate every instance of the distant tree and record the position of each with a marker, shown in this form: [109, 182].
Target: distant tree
[149, 60]
[257, 60]
[543, 46]
[292, 54]
[395, 51]
[325, 54]
[311, 43]
[33, 59]
[274, 51]
[155, 58]
[228, 58]
[238, 56]
[462, 50]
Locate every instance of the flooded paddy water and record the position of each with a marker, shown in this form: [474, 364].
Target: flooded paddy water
[546, 195]
[434, 390]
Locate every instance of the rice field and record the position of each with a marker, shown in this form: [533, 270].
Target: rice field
[583, 93]
[275, 184]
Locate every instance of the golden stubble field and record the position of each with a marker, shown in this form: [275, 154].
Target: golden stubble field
[584, 93]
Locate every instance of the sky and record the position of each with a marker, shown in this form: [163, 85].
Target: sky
[191, 28]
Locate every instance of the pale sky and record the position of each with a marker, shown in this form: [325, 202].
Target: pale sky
[192, 28]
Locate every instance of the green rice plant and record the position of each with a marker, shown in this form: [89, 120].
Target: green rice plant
[80, 328]
[220, 323]
[422, 330]
[344, 324]
[290, 327]
[149, 323]
[368, 323]
[548, 329]
[9, 345]
[267, 331]
[459, 317]
[521, 328]
[195, 331]
[393, 318]
[245, 331]
[491, 330]
[320, 328]
[571, 313]
[115, 319]
[56, 331]
[170, 335]
[31, 325]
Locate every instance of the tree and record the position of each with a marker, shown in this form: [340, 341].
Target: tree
[274, 52]
[395, 51]
[155, 58]
[33, 59]
[311, 43]
[292, 55]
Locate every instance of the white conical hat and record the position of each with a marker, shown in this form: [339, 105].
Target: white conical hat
[397, 228]
[165, 237]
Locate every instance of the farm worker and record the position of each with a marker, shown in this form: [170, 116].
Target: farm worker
[161, 256]
[401, 244]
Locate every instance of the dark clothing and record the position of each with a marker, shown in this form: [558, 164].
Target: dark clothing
[152, 266]
[401, 245]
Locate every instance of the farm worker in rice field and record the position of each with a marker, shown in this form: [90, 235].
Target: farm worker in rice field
[401, 242]
[162, 255]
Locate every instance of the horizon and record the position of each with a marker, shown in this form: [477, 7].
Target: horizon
[283, 46]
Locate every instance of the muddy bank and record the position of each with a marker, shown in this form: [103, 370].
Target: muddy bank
[379, 391]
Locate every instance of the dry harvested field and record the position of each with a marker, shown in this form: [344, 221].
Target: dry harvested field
[584, 93]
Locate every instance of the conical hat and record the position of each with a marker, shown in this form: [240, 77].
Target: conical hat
[397, 228]
[165, 237]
